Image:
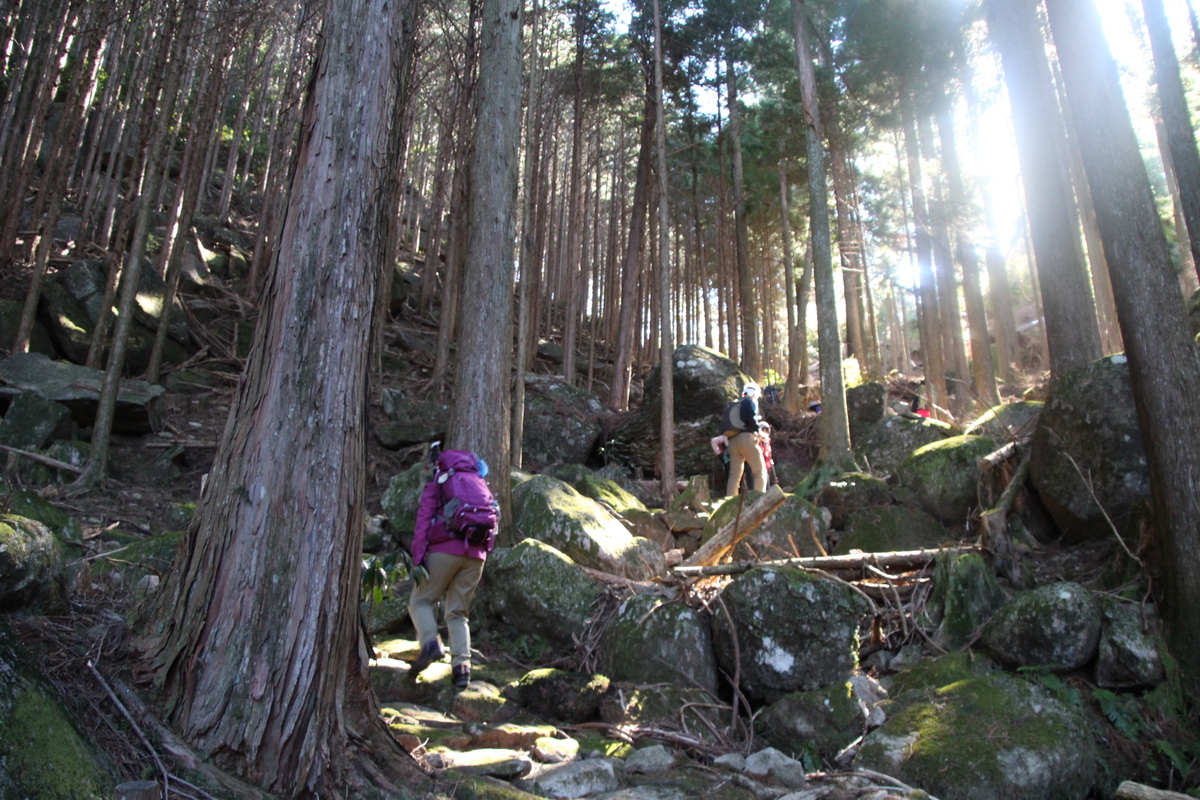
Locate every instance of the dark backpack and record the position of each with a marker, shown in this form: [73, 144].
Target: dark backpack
[468, 509]
[731, 419]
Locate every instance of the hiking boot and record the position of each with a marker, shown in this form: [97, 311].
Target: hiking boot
[432, 651]
[461, 675]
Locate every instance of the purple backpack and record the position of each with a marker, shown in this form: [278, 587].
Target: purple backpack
[468, 508]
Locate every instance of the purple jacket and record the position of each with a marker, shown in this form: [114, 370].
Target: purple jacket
[430, 534]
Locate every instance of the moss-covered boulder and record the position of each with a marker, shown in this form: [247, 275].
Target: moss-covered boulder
[931, 674]
[402, 496]
[850, 492]
[537, 589]
[41, 754]
[983, 738]
[68, 451]
[664, 706]
[559, 695]
[33, 422]
[1128, 656]
[652, 640]
[1008, 422]
[28, 503]
[883, 446]
[888, 528]
[866, 405]
[824, 719]
[726, 512]
[1089, 434]
[792, 531]
[138, 563]
[648, 525]
[32, 572]
[607, 491]
[945, 475]
[411, 420]
[562, 422]
[704, 381]
[1055, 626]
[546, 509]
[791, 630]
[965, 596]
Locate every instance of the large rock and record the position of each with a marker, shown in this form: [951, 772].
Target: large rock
[32, 422]
[607, 491]
[865, 407]
[28, 503]
[704, 381]
[663, 706]
[850, 492]
[825, 719]
[411, 420]
[1008, 422]
[84, 280]
[78, 388]
[402, 496]
[945, 476]
[888, 528]
[1089, 419]
[965, 596]
[549, 510]
[791, 631]
[1128, 656]
[559, 695]
[982, 738]
[561, 422]
[32, 575]
[41, 754]
[10, 319]
[792, 531]
[888, 442]
[1055, 626]
[575, 778]
[538, 590]
[651, 640]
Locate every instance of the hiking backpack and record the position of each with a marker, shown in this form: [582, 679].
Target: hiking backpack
[731, 419]
[468, 509]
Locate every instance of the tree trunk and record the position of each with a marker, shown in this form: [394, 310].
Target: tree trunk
[256, 637]
[1181, 135]
[666, 347]
[933, 357]
[1164, 363]
[751, 357]
[1072, 333]
[791, 391]
[479, 417]
[834, 430]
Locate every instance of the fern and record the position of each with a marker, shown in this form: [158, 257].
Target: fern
[1174, 754]
[1117, 712]
[1053, 684]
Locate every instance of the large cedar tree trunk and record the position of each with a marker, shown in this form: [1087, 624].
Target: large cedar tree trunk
[1164, 364]
[256, 639]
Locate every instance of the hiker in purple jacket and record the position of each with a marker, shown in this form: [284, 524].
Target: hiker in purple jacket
[447, 568]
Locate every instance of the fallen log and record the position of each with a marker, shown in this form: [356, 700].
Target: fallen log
[41, 459]
[728, 537]
[1129, 790]
[898, 558]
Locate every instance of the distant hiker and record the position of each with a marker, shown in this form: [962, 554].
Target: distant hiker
[455, 530]
[742, 425]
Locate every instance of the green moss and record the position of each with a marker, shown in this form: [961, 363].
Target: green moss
[608, 491]
[151, 556]
[27, 503]
[945, 475]
[44, 756]
[934, 673]
[882, 530]
[593, 742]
[461, 786]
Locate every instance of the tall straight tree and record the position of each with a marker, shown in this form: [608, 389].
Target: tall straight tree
[666, 350]
[1164, 364]
[834, 429]
[1181, 134]
[1072, 333]
[256, 638]
[751, 357]
[479, 415]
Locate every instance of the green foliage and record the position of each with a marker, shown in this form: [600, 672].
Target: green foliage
[1053, 684]
[852, 373]
[380, 572]
[1120, 711]
[810, 758]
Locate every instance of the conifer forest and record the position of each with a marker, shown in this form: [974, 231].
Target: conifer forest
[965, 200]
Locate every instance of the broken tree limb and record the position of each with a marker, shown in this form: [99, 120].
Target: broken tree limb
[717, 546]
[994, 524]
[899, 558]
[41, 459]
[1129, 790]
[999, 456]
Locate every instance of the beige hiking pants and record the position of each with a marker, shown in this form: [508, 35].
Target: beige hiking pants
[455, 577]
[743, 451]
